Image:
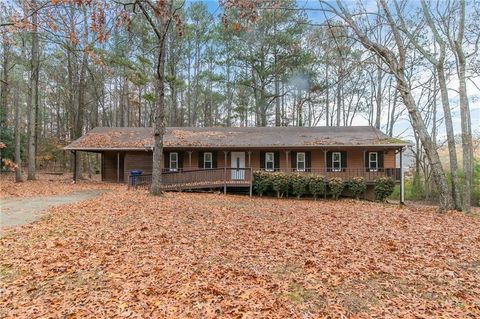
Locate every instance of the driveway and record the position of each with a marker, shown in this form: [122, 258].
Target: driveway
[21, 211]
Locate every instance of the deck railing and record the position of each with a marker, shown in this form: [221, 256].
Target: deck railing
[369, 175]
[181, 179]
[197, 178]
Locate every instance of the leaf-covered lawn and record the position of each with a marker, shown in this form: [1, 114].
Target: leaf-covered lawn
[184, 255]
[47, 185]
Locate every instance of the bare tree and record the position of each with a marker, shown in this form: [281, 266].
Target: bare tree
[33, 95]
[439, 64]
[396, 64]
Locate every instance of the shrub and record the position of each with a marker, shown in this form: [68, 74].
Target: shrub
[261, 182]
[280, 183]
[336, 186]
[316, 185]
[299, 184]
[357, 186]
[383, 188]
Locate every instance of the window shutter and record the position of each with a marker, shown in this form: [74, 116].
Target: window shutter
[380, 161]
[180, 160]
[308, 161]
[293, 160]
[166, 159]
[214, 159]
[329, 161]
[262, 160]
[344, 159]
[367, 161]
[276, 160]
[200, 159]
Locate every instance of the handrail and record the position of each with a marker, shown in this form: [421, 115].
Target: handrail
[196, 178]
[223, 177]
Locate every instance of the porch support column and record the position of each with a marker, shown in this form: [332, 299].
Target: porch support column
[402, 182]
[250, 159]
[325, 172]
[287, 163]
[225, 173]
[118, 167]
[74, 167]
[364, 174]
[189, 159]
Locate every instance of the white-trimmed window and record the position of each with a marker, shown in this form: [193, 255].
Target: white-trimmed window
[373, 161]
[173, 161]
[270, 161]
[301, 161]
[207, 160]
[336, 161]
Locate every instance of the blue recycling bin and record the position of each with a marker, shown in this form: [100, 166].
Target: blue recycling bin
[135, 174]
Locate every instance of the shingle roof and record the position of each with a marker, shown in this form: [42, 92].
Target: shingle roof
[141, 138]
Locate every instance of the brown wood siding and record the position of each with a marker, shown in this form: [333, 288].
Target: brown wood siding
[137, 161]
[109, 167]
[143, 160]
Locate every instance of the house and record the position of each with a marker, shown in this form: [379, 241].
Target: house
[227, 156]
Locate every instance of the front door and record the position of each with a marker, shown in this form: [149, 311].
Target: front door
[238, 165]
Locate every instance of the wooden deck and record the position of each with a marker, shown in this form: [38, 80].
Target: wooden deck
[198, 179]
[218, 178]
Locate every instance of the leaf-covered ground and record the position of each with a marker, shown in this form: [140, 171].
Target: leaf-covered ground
[128, 254]
[46, 185]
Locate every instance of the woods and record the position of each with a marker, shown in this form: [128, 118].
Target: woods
[408, 68]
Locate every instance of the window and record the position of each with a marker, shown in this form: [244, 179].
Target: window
[336, 161]
[207, 160]
[301, 161]
[269, 161]
[373, 161]
[173, 161]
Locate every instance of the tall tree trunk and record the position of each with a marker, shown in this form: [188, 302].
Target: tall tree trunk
[33, 96]
[159, 126]
[4, 83]
[378, 99]
[18, 157]
[467, 145]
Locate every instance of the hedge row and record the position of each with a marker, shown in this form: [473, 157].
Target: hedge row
[298, 184]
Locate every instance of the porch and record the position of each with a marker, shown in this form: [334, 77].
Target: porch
[223, 178]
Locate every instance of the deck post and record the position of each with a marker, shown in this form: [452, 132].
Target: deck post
[251, 182]
[74, 167]
[402, 182]
[190, 159]
[250, 159]
[225, 173]
[364, 174]
[325, 170]
[118, 167]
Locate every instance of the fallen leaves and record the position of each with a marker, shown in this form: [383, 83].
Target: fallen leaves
[129, 254]
[47, 185]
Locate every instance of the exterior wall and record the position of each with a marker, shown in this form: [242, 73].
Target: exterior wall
[142, 160]
[137, 161]
[109, 166]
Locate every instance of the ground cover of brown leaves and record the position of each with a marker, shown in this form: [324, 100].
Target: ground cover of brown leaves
[47, 185]
[128, 254]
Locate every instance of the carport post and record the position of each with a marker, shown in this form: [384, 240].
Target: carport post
[402, 182]
[118, 167]
[225, 173]
[74, 167]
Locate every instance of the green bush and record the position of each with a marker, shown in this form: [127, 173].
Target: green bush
[336, 186]
[280, 183]
[299, 184]
[383, 188]
[357, 186]
[261, 182]
[316, 185]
